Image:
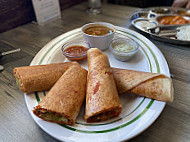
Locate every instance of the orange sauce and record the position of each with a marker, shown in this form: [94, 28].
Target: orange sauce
[173, 20]
[76, 52]
[98, 30]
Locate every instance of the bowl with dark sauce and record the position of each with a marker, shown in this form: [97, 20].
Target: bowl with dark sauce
[75, 51]
[160, 11]
[98, 34]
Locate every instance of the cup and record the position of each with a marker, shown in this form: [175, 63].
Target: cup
[94, 6]
[98, 41]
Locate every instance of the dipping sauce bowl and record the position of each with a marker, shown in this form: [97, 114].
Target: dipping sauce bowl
[123, 49]
[75, 51]
[98, 34]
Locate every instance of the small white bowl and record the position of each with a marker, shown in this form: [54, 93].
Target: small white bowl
[101, 41]
[123, 53]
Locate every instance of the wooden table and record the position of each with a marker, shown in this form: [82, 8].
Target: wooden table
[16, 124]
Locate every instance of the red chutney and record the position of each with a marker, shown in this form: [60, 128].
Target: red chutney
[76, 52]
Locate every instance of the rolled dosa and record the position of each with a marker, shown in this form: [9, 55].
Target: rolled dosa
[152, 85]
[63, 102]
[43, 77]
[102, 101]
[40, 77]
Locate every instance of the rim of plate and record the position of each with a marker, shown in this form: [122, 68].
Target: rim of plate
[41, 59]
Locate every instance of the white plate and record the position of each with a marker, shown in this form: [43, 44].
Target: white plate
[138, 112]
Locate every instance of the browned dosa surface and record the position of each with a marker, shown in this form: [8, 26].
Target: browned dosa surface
[67, 95]
[151, 85]
[101, 93]
[40, 77]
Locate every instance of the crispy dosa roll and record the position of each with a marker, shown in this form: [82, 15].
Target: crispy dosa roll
[63, 102]
[40, 77]
[102, 101]
[152, 85]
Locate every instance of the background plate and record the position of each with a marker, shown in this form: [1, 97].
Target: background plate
[146, 14]
[138, 112]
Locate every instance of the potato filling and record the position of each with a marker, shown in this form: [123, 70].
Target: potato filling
[18, 81]
[104, 116]
[51, 116]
